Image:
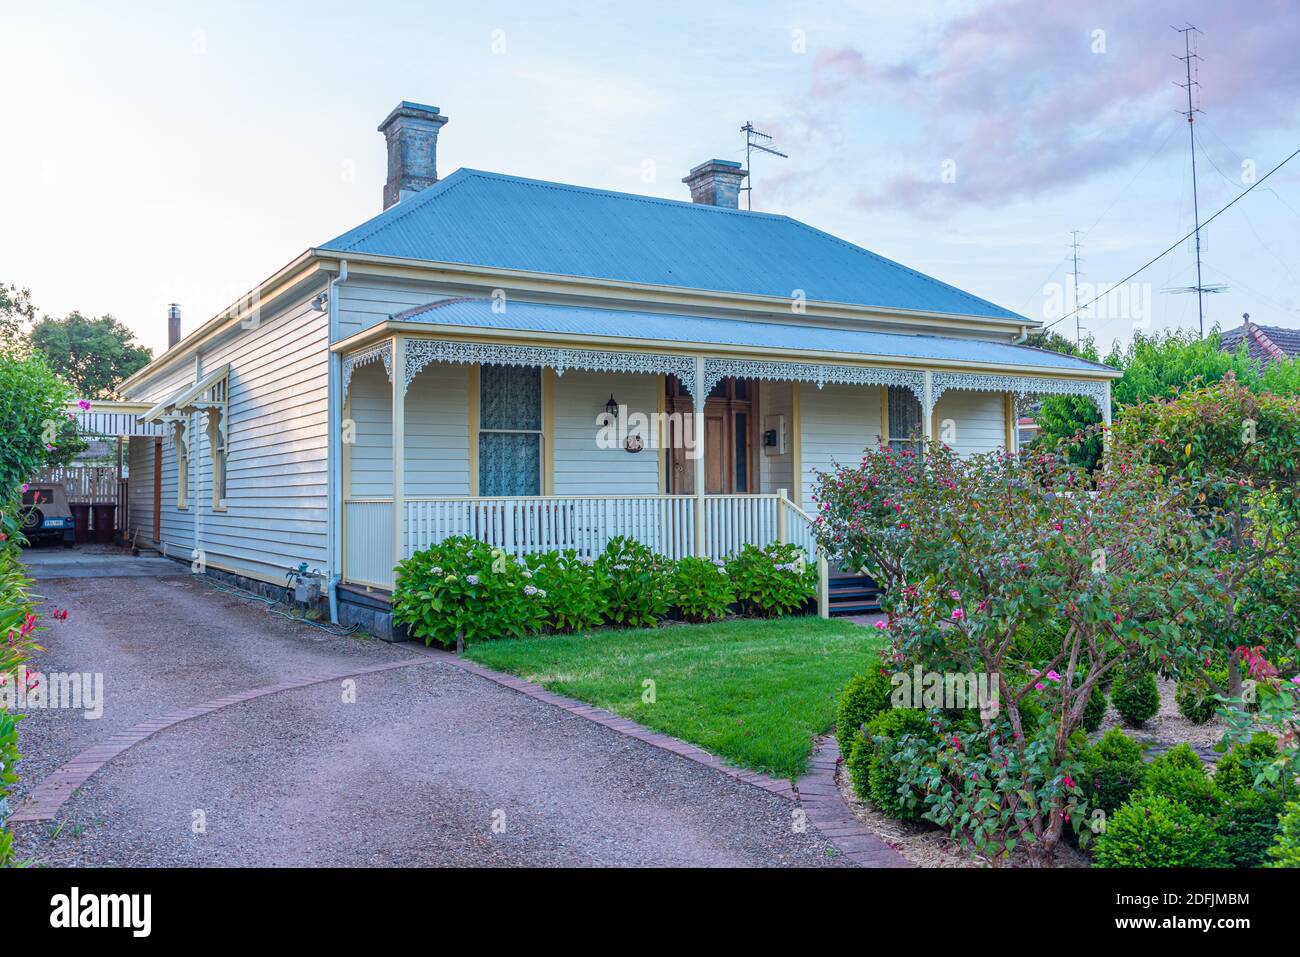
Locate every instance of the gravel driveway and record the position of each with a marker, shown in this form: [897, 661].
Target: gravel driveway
[429, 766]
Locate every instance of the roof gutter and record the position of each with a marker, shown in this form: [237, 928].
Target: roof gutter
[384, 330]
[492, 276]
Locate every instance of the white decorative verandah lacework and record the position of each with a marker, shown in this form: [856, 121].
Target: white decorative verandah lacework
[1020, 385]
[420, 352]
[715, 370]
[383, 351]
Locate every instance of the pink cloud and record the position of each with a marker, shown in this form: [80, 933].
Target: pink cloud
[1018, 98]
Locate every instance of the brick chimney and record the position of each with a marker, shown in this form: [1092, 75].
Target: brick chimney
[716, 183]
[173, 324]
[412, 134]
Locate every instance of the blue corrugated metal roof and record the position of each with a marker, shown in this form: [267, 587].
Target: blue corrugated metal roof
[588, 321]
[487, 219]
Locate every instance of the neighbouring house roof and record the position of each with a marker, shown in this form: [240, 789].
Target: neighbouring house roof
[620, 323]
[1264, 344]
[507, 222]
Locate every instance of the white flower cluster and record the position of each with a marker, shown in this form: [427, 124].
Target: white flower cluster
[472, 579]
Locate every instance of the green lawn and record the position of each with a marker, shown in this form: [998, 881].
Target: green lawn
[756, 693]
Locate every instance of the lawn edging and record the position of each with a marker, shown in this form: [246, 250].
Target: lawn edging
[816, 791]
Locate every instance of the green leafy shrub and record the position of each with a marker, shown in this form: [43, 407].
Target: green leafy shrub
[640, 583]
[1136, 697]
[18, 626]
[8, 760]
[702, 589]
[35, 431]
[862, 754]
[887, 791]
[1188, 786]
[864, 697]
[774, 580]
[1112, 770]
[1153, 831]
[1285, 851]
[1236, 771]
[1249, 825]
[1196, 700]
[462, 588]
[1181, 756]
[982, 561]
[572, 591]
[1094, 712]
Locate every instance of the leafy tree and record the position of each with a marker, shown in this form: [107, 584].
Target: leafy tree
[93, 355]
[16, 309]
[1155, 366]
[1239, 451]
[978, 554]
[34, 430]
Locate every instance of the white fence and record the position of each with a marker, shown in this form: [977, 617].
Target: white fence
[665, 523]
[83, 483]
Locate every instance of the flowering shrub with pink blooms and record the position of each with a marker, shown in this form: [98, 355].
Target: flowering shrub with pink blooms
[973, 555]
[18, 626]
[1239, 452]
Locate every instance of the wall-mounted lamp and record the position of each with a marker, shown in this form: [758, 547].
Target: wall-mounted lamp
[612, 407]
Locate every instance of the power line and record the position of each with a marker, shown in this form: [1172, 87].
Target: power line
[1184, 239]
[1111, 205]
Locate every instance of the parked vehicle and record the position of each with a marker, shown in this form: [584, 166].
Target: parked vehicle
[45, 514]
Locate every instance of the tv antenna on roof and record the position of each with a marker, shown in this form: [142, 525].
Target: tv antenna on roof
[1192, 72]
[755, 140]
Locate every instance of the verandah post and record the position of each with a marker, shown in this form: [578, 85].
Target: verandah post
[697, 453]
[399, 449]
[782, 519]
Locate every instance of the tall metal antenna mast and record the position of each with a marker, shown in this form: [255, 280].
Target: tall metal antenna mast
[755, 140]
[1078, 327]
[1189, 54]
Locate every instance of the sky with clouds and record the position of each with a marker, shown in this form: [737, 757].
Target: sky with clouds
[163, 152]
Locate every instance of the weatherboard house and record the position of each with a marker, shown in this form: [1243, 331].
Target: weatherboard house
[531, 363]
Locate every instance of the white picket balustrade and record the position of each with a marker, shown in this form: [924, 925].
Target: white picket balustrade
[665, 523]
[584, 523]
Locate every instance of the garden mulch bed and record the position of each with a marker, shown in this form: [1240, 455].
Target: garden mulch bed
[926, 845]
[1169, 728]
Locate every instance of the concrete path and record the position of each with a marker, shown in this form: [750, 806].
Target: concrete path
[419, 765]
[98, 561]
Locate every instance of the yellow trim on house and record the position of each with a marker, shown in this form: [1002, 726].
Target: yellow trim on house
[548, 431]
[884, 414]
[347, 446]
[661, 407]
[1009, 413]
[113, 406]
[420, 330]
[473, 429]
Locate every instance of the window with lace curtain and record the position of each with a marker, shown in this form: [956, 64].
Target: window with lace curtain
[905, 428]
[510, 430]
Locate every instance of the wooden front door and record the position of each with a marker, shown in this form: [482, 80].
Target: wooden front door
[730, 439]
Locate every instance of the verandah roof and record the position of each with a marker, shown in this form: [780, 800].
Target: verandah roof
[627, 324]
